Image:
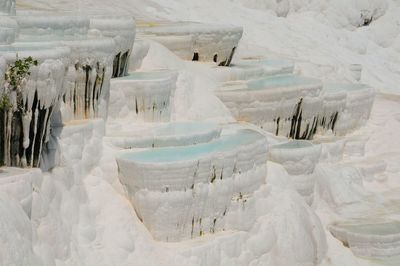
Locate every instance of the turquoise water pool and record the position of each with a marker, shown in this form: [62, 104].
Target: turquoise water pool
[280, 81]
[225, 143]
[292, 145]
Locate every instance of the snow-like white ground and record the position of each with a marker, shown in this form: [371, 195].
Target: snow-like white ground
[80, 215]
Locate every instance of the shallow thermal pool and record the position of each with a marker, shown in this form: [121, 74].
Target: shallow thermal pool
[170, 134]
[223, 144]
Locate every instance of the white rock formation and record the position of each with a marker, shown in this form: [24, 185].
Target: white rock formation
[143, 96]
[299, 158]
[359, 101]
[86, 82]
[195, 41]
[122, 29]
[286, 105]
[185, 192]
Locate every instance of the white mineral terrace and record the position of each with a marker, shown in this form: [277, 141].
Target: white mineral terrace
[298, 107]
[299, 158]
[163, 135]
[286, 105]
[130, 159]
[144, 96]
[175, 190]
[369, 240]
[356, 112]
[195, 41]
[332, 148]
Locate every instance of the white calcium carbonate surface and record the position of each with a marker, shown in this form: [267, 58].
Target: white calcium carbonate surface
[80, 215]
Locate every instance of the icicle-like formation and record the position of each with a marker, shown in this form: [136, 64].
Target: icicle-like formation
[86, 85]
[147, 95]
[186, 192]
[299, 158]
[88, 79]
[195, 41]
[285, 105]
[7, 7]
[122, 29]
[23, 130]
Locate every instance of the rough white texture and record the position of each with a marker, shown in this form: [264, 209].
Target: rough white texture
[143, 96]
[359, 101]
[164, 135]
[17, 184]
[175, 190]
[211, 42]
[16, 236]
[299, 158]
[332, 148]
[86, 221]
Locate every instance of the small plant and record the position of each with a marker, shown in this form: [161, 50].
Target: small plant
[15, 78]
[5, 103]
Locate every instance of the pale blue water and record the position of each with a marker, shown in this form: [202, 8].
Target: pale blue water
[296, 144]
[280, 81]
[228, 142]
